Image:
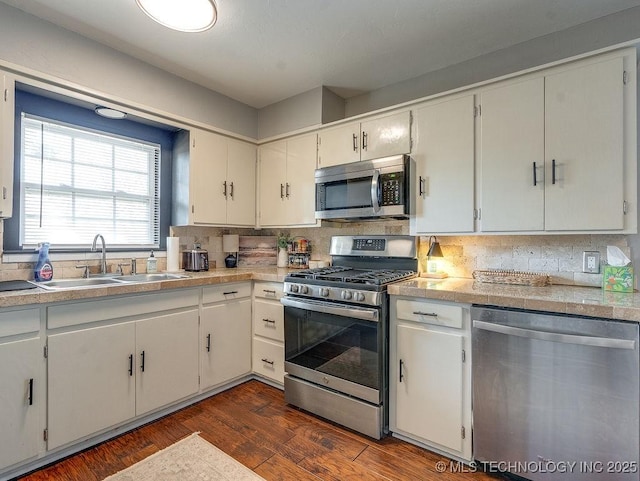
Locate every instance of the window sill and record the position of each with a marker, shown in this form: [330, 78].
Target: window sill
[15, 257]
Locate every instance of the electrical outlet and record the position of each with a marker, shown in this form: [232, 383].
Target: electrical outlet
[591, 262]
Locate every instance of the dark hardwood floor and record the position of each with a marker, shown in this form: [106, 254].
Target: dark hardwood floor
[253, 424]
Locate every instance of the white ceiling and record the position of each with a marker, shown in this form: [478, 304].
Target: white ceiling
[263, 51]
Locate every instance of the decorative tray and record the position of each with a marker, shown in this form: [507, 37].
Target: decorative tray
[520, 278]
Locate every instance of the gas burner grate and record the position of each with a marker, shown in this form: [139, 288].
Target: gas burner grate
[380, 277]
[318, 272]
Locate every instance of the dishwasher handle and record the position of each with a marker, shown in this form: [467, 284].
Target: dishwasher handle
[556, 336]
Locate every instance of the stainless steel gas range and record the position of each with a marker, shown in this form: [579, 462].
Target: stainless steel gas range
[337, 331]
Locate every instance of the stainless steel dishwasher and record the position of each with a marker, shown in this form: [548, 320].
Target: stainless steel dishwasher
[555, 397]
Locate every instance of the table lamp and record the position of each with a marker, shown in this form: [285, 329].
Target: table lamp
[231, 244]
[433, 255]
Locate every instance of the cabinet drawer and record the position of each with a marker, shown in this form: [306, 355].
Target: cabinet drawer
[268, 359]
[20, 321]
[447, 315]
[268, 319]
[268, 290]
[225, 292]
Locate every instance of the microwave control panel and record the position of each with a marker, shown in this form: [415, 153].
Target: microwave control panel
[392, 188]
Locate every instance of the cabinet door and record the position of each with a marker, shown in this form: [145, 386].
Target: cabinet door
[241, 183]
[90, 385]
[273, 172]
[22, 398]
[208, 159]
[339, 145]
[7, 113]
[225, 342]
[300, 189]
[584, 148]
[429, 396]
[384, 136]
[511, 149]
[167, 359]
[444, 155]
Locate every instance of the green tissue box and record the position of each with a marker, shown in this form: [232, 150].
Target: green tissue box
[618, 279]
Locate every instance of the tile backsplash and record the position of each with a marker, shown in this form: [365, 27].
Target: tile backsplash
[560, 256]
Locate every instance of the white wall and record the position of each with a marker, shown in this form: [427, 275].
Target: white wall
[30, 42]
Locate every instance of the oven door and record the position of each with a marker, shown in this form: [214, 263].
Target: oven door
[336, 346]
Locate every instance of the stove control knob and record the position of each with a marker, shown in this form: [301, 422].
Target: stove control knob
[324, 292]
[293, 288]
[358, 296]
[346, 295]
[304, 289]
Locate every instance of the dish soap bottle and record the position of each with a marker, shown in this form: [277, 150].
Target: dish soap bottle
[152, 264]
[43, 270]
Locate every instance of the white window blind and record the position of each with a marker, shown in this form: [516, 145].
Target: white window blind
[76, 183]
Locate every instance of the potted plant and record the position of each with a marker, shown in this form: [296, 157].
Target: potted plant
[283, 255]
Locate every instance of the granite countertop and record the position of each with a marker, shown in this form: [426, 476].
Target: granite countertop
[585, 301]
[195, 279]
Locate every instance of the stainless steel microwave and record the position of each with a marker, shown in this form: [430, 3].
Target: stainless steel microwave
[371, 189]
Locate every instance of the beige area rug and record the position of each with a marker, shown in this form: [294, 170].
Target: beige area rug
[190, 459]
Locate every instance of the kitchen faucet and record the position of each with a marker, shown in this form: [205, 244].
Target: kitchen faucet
[103, 263]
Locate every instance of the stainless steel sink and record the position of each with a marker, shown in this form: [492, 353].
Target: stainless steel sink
[79, 283]
[164, 276]
[106, 281]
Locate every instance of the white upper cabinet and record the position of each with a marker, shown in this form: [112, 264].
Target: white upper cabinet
[511, 159]
[555, 152]
[214, 180]
[287, 181]
[208, 172]
[241, 183]
[584, 148]
[339, 145]
[444, 155]
[370, 139]
[7, 113]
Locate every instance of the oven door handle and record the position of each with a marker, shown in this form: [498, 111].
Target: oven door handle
[339, 310]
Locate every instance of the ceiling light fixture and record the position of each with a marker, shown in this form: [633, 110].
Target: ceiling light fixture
[182, 15]
[110, 113]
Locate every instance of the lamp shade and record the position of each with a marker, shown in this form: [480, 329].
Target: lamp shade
[230, 243]
[434, 248]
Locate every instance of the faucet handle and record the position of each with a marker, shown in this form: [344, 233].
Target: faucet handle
[85, 274]
[120, 266]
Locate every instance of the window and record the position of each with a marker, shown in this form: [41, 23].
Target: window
[76, 182]
[77, 174]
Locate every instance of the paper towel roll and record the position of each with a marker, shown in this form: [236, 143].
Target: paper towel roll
[173, 254]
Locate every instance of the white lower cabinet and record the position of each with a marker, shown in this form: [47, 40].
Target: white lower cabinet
[22, 387]
[91, 381]
[225, 334]
[134, 361]
[430, 369]
[268, 331]
[167, 350]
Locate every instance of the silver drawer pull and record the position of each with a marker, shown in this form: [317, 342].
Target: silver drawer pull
[269, 291]
[430, 314]
[229, 293]
[267, 361]
[270, 321]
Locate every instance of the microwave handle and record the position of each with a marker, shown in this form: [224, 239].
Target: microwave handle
[375, 182]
